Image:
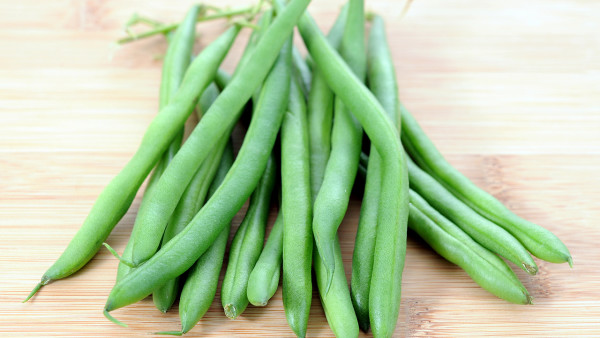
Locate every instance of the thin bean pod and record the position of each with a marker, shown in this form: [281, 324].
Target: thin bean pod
[247, 245]
[117, 196]
[301, 71]
[382, 82]
[264, 278]
[297, 213]
[486, 268]
[200, 285]
[486, 233]
[393, 212]
[185, 248]
[336, 302]
[191, 201]
[538, 240]
[176, 62]
[346, 138]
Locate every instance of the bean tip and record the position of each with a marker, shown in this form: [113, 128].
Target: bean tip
[113, 319]
[33, 292]
[230, 311]
[169, 333]
[570, 261]
[530, 269]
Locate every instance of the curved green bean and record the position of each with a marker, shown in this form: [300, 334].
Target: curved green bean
[191, 201]
[117, 196]
[487, 269]
[486, 233]
[297, 213]
[393, 210]
[346, 138]
[336, 302]
[382, 82]
[185, 248]
[177, 59]
[538, 240]
[264, 278]
[247, 245]
[200, 287]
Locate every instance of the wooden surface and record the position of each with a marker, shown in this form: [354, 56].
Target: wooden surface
[508, 90]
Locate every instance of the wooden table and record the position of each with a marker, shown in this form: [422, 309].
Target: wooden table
[508, 90]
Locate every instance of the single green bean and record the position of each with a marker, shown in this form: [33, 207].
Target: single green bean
[393, 211]
[302, 71]
[117, 196]
[200, 285]
[297, 213]
[185, 248]
[538, 240]
[176, 62]
[264, 278]
[247, 245]
[346, 138]
[336, 302]
[191, 201]
[488, 234]
[487, 269]
[320, 112]
[382, 82]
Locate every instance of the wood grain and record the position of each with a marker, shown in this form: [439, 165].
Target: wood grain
[508, 91]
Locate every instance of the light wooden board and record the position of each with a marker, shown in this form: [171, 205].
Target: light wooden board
[508, 90]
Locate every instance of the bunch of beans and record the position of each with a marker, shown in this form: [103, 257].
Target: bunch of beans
[315, 109]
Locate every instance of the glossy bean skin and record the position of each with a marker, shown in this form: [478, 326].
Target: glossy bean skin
[336, 301]
[200, 285]
[538, 240]
[264, 278]
[117, 196]
[393, 211]
[247, 245]
[177, 59]
[382, 82]
[221, 117]
[185, 248]
[447, 239]
[486, 233]
[346, 139]
[297, 213]
[191, 201]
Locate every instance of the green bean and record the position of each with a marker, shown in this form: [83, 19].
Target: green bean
[116, 198]
[153, 220]
[393, 212]
[183, 250]
[191, 201]
[382, 82]
[301, 71]
[539, 241]
[346, 138]
[247, 245]
[320, 112]
[200, 285]
[488, 234]
[486, 268]
[264, 278]
[297, 213]
[336, 302]
[263, 23]
[177, 59]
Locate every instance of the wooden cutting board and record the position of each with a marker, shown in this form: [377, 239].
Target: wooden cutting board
[509, 91]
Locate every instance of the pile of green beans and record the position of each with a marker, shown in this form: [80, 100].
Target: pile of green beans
[303, 142]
